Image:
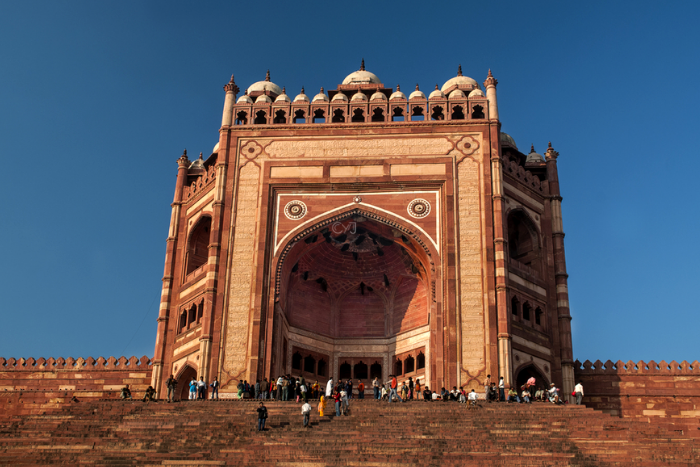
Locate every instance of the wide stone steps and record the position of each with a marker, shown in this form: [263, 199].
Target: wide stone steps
[377, 433]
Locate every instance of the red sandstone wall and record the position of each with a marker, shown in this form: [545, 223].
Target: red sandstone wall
[667, 394]
[29, 386]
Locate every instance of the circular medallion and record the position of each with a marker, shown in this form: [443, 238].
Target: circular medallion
[295, 210]
[419, 208]
[357, 199]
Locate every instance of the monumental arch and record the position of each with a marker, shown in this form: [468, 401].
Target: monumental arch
[364, 232]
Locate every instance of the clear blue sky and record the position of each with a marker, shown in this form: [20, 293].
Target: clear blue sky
[98, 100]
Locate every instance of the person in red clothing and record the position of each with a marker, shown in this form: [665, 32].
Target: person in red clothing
[361, 390]
[394, 385]
[336, 398]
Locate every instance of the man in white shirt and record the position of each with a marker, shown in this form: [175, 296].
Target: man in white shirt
[329, 388]
[472, 398]
[578, 389]
[306, 412]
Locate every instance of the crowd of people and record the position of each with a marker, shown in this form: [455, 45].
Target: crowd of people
[287, 387]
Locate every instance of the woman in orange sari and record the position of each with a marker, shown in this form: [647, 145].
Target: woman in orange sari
[321, 405]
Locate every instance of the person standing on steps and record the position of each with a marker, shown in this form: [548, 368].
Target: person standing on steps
[501, 390]
[262, 416]
[215, 389]
[321, 405]
[336, 398]
[240, 387]
[193, 389]
[410, 388]
[201, 389]
[418, 393]
[264, 387]
[306, 412]
[257, 389]
[329, 388]
[361, 390]
[393, 385]
[578, 389]
[375, 387]
[171, 384]
[487, 388]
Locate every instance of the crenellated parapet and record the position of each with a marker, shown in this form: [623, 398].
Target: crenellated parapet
[525, 176]
[200, 184]
[638, 368]
[80, 364]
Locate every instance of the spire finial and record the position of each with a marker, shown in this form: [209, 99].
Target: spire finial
[246, 92]
[231, 86]
[490, 75]
[302, 89]
[322, 91]
[417, 87]
[532, 148]
[284, 90]
[200, 155]
[459, 70]
[184, 153]
[267, 76]
[437, 87]
[362, 65]
[182, 161]
[398, 87]
[551, 154]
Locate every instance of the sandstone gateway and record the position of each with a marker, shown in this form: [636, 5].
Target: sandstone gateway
[364, 232]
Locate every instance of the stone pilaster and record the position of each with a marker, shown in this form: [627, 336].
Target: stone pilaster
[490, 85]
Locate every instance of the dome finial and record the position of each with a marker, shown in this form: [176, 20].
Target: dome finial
[284, 90]
[532, 148]
[417, 87]
[267, 76]
[437, 87]
[398, 87]
[549, 146]
[362, 65]
[322, 90]
[200, 155]
[459, 70]
[302, 89]
[231, 86]
[490, 75]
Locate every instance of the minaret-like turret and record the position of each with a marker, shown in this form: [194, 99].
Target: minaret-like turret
[561, 277]
[490, 85]
[231, 92]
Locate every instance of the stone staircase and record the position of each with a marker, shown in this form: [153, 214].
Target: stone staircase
[113, 432]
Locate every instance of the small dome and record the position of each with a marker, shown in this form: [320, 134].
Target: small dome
[358, 96]
[302, 97]
[263, 99]
[507, 140]
[320, 97]
[476, 93]
[197, 163]
[437, 94]
[265, 86]
[216, 148]
[283, 97]
[460, 80]
[398, 94]
[340, 97]
[244, 99]
[362, 76]
[417, 94]
[378, 96]
[457, 94]
[533, 157]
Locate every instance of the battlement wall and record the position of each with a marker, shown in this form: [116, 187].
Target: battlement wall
[667, 394]
[29, 386]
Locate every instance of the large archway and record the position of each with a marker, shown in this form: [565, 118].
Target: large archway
[354, 292]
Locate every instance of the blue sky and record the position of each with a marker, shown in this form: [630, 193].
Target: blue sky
[98, 100]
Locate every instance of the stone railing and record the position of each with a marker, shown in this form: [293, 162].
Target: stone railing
[639, 368]
[82, 364]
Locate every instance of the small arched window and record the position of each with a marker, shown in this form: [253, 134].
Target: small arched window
[192, 315]
[338, 116]
[296, 361]
[360, 370]
[514, 305]
[397, 114]
[200, 312]
[280, 117]
[345, 371]
[420, 361]
[198, 247]
[358, 116]
[457, 112]
[319, 116]
[523, 244]
[526, 311]
[183, 321]
[375, 371]
[309, 364]
[437, 113]
[322, 367]
[409, 365]
[538, 316]
[478, 112]
[378, 115]
[299, 116]
[260, 117]
[398, 367]
[417, 114]
[242, 118]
